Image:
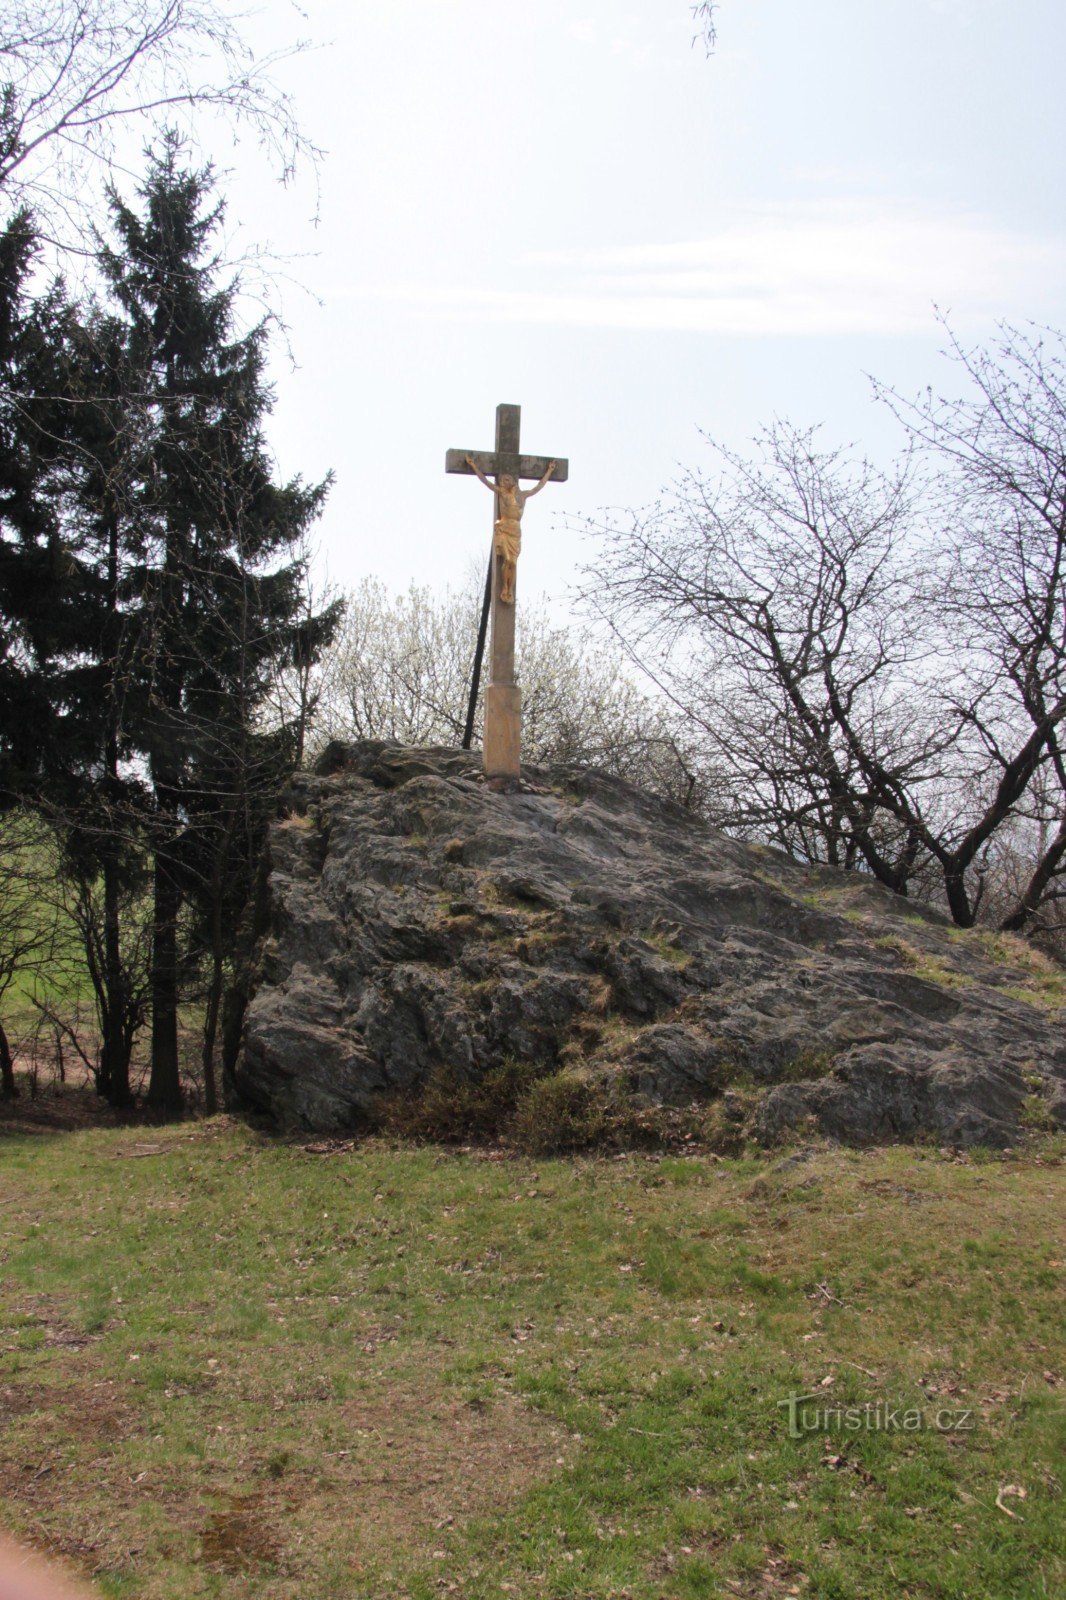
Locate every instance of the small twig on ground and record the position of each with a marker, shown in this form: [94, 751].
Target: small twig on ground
[824, 1290]
[1014, 1489]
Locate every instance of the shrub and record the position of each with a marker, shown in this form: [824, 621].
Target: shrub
[561, 1113]
[453, 1108]
[541, 1112]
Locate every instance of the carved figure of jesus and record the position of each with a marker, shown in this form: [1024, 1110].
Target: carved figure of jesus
[507, 540]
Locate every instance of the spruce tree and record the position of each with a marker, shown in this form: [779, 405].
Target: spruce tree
[104, 835]
[58, 590]
[63, 467]
[40, 589]
[213, 591]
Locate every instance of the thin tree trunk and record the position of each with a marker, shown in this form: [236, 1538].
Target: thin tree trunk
[1046, 869]
[215, 988]
[114, 1079]
[164, 1083]
[214, 1003]
[8, 1086]
[114, 1082]
[218, 964]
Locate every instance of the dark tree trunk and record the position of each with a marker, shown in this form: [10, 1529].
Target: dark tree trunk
[1043, 874]
[214, 1004]
[8, 1087]
[218, 965]
[214, 990]
[114, 1080]
[164, 1083]
[236, 999]
[958, 897]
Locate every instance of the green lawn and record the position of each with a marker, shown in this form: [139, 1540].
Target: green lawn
[235, 1367]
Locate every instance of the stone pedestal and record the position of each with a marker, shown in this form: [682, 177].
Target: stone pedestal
[503, 730]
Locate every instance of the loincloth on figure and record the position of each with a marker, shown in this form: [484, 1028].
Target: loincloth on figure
[508, 538]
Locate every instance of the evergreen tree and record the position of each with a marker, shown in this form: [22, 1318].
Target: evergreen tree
[40, 592]
[213, 585]
[104, 834]
[63, 428]
[60, 428]
[152, 578]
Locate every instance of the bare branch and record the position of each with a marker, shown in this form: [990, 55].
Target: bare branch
[76, 73]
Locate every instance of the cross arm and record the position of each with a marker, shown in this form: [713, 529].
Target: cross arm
[493, 463]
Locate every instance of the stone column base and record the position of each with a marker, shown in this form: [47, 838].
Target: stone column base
[503, 730]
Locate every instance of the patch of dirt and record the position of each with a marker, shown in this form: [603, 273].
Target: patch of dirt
[63, 1108]
[409, 1464]
[60, 1336]
[55, 1107]
[899, 1191]
[43, 1311]
[418, 1462]
[94, 1555]
[18, 1401]
[97, 1412]
[240, 1538]
[93, 1413]
[776, 1581]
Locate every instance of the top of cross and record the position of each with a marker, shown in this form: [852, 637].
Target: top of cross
[506, 456]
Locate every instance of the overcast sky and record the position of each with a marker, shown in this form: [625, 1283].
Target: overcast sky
[563, 204]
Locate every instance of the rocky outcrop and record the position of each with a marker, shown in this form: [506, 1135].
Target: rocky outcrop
[417, 918]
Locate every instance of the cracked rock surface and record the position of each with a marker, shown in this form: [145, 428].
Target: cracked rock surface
[416, 918]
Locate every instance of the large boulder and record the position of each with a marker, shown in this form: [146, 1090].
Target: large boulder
[416, 918]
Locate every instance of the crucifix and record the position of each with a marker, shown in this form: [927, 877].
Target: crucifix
[503, 700]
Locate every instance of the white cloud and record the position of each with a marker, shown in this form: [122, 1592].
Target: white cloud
[823, 268]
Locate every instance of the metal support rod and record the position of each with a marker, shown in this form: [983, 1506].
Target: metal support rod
[479, 654]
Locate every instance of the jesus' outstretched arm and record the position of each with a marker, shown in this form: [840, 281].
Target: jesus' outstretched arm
[472, 464]
[551, 468]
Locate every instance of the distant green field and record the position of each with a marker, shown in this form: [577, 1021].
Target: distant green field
[64, 985]
[236, 1367]
[31, 907]
[55, 975]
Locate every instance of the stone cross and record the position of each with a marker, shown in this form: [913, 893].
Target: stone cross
[503, 700]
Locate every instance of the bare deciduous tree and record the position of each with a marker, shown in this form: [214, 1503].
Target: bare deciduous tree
[107, 921]
[770, 605]
[704, 15]
[28, 922]
[400, 670]
[998, 493]
[877, 663]
[73, 73]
